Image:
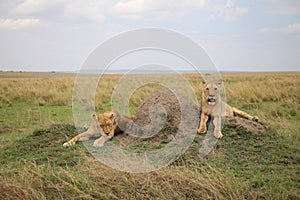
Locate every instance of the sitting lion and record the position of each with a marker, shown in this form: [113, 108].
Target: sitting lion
[105, 124]
[212, 105]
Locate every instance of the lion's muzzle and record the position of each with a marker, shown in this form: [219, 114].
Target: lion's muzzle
[211, 101]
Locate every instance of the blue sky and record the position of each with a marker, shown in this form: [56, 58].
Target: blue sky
[58, 35]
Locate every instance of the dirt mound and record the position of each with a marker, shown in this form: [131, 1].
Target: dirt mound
[163, 113]
[253, 127]
[163, 101]
[163, 105]
[166, 108]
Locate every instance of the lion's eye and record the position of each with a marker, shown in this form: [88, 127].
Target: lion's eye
[216, 88]
[207, 88]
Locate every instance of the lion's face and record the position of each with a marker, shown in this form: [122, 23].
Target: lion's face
[211, 92]
[106, 121]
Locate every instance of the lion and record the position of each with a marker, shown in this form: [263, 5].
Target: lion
[112, 122]
[93, 131]
[105, 125]
[212, 105]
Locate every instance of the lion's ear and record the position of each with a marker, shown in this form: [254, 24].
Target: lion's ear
[219, 83]
[94, 116]
[203, 84]
[111, 115]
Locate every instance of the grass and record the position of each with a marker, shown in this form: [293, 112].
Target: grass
[268, 162]
[39, 168]
[36, 118]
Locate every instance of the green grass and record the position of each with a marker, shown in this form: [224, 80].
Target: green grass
[43, 146]
[38, 167]
[267, 162]
[21, 114]
[158, 141]
[34, 165]
[266, 165]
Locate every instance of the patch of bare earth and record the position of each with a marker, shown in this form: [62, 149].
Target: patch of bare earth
[7, 129]
[160, 115]
[253, 127]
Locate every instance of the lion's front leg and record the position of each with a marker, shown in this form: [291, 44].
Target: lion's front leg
[217, 123]
[202, 125]
[100, 141]
[112, 132]
[104, 138]
[80, 137]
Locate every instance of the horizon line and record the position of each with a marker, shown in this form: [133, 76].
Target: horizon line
[145, 71]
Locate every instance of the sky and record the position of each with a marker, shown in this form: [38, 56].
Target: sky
[238, 35]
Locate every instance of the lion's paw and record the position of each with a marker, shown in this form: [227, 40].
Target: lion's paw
[66, 144]
[100, 142]
[218, 134]
[202, 130]
[255, 118]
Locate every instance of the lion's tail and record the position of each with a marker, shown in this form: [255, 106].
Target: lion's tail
[244, 114]
[132, 117]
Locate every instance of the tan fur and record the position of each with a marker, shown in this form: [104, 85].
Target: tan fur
[112, 122]
[212, 105]
[106, 125]
[93, 130]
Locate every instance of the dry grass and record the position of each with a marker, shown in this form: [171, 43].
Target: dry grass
[248, 88]
[40, 91]
[274, 97]
[92, 180]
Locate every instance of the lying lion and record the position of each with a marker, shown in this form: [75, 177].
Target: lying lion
[106, 125]
[212, 105]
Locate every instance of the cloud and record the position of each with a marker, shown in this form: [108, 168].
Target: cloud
[99, 10]
[15, 24]
[92, 10]
[264, 30]
[77, 10]
[138, 6]
[141, 6]
[286, 11]
[155, 9]
[36, 6]
[286, 7]
[228, 12]
[291, 29]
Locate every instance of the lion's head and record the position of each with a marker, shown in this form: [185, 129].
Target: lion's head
[107, 121]
[211, 92]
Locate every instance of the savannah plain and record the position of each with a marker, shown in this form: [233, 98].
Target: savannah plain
[36, 119]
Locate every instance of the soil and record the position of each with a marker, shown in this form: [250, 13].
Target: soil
[160, 101]
[7, 129]
[253, 127]
[167, 100]
[160, 114]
